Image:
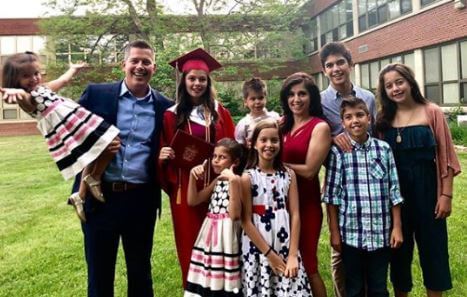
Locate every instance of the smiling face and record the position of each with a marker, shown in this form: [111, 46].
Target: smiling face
[221, 159]
[299, 100]
[397, 88]
[356, 121]
[337, 69]
[268, 144]
[196, 82]
[139, 67]
[255, 102]
[31, 77]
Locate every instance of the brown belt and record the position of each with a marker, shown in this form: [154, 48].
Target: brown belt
[122, 186]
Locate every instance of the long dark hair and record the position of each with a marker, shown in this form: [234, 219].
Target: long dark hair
[15, 65]
[315, 109]
[252, 160]
[388, 107]
[185, 106]
[236, 152]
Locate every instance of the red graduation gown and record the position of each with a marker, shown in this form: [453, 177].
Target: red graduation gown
[187, 220]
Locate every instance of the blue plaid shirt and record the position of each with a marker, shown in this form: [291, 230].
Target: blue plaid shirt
[365, 186]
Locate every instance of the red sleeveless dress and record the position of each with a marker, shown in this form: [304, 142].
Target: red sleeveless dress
[311, 215]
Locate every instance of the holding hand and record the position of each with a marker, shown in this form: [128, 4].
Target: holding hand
[291, 269]
[276, 262]
[114, 145]
[166, 153]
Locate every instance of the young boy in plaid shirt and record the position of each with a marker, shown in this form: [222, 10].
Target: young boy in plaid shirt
[362, 189]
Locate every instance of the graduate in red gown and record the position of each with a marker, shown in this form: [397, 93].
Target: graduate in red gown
[198, 113]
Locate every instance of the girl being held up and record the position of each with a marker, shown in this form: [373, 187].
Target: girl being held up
[75, 137]
[215, 259]
[272, 265]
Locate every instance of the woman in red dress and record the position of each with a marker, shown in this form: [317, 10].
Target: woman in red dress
[198, 113]
[307, 139]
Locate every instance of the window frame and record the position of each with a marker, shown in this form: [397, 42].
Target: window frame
[401, 58]
[365, 17]
[461, 81]
[329, 31]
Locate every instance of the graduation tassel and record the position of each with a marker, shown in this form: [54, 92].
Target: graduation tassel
[177, 82]
[179, 190]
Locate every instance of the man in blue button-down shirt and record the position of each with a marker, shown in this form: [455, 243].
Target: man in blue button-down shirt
[129, 182]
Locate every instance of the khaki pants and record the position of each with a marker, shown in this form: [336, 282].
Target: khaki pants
[338, 274]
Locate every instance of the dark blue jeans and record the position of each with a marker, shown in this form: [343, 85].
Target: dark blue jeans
[129, 216]
[363, 267]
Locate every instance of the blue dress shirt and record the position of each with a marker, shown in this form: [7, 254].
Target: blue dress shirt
[331, 101]
[136, 121]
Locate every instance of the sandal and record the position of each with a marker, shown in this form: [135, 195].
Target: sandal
[95, 187]
[78, 204]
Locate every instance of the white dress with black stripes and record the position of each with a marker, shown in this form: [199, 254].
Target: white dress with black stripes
[75, 136]
[215, 260]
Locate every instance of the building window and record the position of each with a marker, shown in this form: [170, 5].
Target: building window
[10, 114]
[321, 80]
[336, 22]
[311, 32]
[446, 73]
[90, 49]
[18, 44]
[369, 72]
[8, 45]
[372, 13]
[426, 2]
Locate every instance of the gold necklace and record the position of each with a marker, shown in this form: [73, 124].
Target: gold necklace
[400, 129]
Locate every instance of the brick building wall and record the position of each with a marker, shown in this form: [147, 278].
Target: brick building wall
[19, 128]
[434, 26]
[11, 27]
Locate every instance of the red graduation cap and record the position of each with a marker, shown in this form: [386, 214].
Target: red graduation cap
[197, 59]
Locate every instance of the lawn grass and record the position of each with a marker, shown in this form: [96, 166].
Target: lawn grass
[41, 250]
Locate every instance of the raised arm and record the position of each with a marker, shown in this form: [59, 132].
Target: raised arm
[318, 149]
[235, 192]
[56, 84]
[195, 197]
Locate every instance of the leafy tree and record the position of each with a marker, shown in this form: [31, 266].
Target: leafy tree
[263, 31]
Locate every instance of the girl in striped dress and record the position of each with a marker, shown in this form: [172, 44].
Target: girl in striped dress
[215, 260]
[77, 139]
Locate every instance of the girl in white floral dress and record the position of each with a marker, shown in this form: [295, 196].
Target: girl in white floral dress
[271, 262]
